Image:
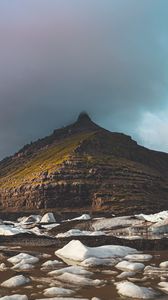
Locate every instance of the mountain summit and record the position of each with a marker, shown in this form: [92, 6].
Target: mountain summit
[85, 122]
[84, 166]
[84, 117]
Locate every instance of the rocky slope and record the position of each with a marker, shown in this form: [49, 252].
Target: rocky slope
[85, 166]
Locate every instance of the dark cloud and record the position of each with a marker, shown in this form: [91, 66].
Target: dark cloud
[60, 57]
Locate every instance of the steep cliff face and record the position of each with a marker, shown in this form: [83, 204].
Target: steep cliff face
[84, 165]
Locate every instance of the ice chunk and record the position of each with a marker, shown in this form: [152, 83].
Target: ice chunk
[50, 226]
[124, 275]
[138, 279]
[56, 291]
[48, 218]
[159, 227]
[138, 257]
[30, 219]
[109, 272]
[164, 264]
[154, 218]
[24, 257]
[51, 263]
[82, 217]
[22, 266]
[154, 271]
[131, 266]
[129, 289]
[163, 286]
[75, 250]
[78, 232]
[79, 280]
[15, 281]
[14, 297]
[37, 231]
[73, 270]
[9, 230]
[2, 267]
[93, 261]
[112, 223]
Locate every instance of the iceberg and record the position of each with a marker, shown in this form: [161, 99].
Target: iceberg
[77, 251]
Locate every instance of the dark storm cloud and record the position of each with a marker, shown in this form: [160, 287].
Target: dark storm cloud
[58, 57]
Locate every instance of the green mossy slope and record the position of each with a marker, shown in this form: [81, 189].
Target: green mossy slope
[21, 170]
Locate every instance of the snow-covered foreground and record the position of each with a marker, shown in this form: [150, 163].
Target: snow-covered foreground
[79, 272]
[129, 227]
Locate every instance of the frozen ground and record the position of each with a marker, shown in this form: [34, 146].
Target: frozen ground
[62, 274]
[128, 227]
[77, 271]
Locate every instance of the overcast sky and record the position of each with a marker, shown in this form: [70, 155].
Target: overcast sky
[60, 57]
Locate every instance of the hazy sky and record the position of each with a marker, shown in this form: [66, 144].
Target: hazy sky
[60, 57]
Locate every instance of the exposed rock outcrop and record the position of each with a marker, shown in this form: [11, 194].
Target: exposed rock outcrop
[84, 165]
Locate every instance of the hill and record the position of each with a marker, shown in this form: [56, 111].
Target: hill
[85, 166]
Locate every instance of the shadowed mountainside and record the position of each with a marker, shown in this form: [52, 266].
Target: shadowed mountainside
[83, 165]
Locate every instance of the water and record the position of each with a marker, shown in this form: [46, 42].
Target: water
[40, 280]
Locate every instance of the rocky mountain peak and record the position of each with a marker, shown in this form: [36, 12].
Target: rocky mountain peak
[84, 122]
[84, 117]
[83, 165]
